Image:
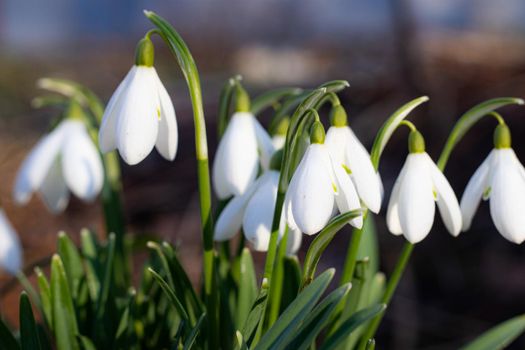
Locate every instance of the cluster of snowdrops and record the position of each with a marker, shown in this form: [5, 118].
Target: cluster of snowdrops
[273, 185]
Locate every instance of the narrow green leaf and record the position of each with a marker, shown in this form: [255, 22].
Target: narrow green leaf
[94, 272]
[368, 247]
[251, 326]
[45, 297]
[305, 336]
[171, 296]
[194, 333]
[292, 282]
[371, 345]
[86, 343]
[271, 98]
[390, 126]
[296, 312]
[247, 287]
[239, 342]
[72, 262]
[467, 120]
[64, 319]
[29, 338]
[350, 325]
[500, 336]
[321, 241]
[7, 339]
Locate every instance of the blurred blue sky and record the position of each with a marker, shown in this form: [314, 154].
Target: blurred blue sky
[33, 24]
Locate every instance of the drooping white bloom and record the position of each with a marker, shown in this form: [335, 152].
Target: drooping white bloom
[10, 249]
[500, 179]
[346, 150]
[244, 146]
[411, 208]
[64, 160]
[138, 117]
[278, 141]
[253, 211]
[316, 187]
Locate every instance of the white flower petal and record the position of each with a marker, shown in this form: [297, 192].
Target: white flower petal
[10, 249]
[364, 175]
[138, 119]
[230, 219]
[258, 215]
[477, 184]
[107, 136]
[81, 163]
[167, 138]
[336, 140]
[236, 161]
[507, 200]
[416, 199]
[278, 141]
[312, 198]
[37, 164]
[446, 200]
[392, 213]
[346, 197]
[264, 143]
[53, 189]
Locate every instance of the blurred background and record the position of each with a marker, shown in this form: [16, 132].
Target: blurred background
[459, 52]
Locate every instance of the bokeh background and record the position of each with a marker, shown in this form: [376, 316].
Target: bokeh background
[459, 52]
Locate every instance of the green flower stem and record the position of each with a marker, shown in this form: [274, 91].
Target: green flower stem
[462, 126]
[189, 69]
[277, 285]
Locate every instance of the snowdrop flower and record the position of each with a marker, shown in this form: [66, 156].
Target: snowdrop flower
[346, 150]
[10, 249]
[420, 184]
[317, 187]
[64, 160]
[243, 147]
[279, 138]
[140, 114]
[500, 178]
[253, 211]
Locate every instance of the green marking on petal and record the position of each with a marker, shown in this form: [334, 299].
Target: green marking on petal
[334, 187]
[158, 113]
[347, 169]
[486, 193]
[435, 194]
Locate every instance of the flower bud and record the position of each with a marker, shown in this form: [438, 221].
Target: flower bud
[145, 53]
[338, 116]
[502, 137]
[416, 142]
[317, 134]
[282, 127]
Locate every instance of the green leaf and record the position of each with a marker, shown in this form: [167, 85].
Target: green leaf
[388, 128]
[500, 336]
[347, 327]
[272, 98]
[239, 342]
[45, 297]
[28, 329]
[171, 296]
[72, 262]
[292, 282]
[467, 120]
[255, 316]
[7, 339]
[321, 241]
[294, 314]
[368, 247]
[94, 272]
[86, 343]
[194, 332]
[64, 319]
[247, 287]
[371, 345]
[305, 336]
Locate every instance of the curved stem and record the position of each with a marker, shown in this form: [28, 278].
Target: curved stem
[189, 69]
